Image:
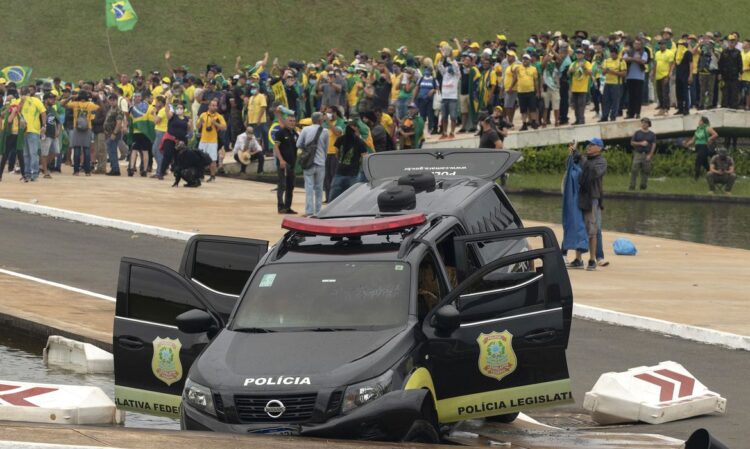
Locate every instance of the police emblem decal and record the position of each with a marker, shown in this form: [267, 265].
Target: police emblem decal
[496, 356]
[165, 363]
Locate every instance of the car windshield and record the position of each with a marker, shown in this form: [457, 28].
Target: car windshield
[325, 297]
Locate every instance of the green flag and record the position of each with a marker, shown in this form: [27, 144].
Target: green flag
[18, 74]
[120, 13]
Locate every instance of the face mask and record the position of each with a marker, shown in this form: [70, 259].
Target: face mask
[329, 116]
[165, 86]
[253, 91]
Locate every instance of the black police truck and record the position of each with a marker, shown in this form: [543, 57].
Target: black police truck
[414, 300]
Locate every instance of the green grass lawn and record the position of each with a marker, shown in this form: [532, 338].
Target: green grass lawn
[67, 37]
[619, 183]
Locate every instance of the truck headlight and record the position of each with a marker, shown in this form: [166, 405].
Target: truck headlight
[199, 397]
[364, 392]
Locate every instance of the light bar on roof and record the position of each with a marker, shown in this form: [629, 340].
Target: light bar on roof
[343, 227]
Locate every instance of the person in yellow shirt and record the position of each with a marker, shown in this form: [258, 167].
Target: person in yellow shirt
[160, 128]
[256, 116]
[665, 59]
[528, 92]
[745, 76]
[210, 123]
[510, 89]
[580, 75]
[80, 138]
[614, 70]
[33, 115]
[127, 88]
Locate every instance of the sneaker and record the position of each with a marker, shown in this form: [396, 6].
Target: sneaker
[291, 211]
[281, 211]
[602, 262]
[113, 173]
[576, 263]
[591, 265]
[211, 179]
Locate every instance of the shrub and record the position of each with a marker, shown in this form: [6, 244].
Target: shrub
[669, 161]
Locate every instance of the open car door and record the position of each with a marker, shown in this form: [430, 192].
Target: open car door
[496, 343]
[443, 163]
[220, 267]
[152, 356]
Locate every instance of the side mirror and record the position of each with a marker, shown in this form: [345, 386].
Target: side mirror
[447, 318]
[195, 321]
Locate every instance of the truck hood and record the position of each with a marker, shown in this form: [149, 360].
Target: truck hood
[298, 360]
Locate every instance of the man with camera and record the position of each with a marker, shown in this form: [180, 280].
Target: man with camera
[210, 123]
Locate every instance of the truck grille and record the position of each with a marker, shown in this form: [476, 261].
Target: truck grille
[298, 408]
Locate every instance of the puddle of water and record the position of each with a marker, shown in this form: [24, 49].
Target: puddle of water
[21, 360]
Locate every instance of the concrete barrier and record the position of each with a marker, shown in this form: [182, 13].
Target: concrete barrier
[56, 404]
[76, 356]
[651, 394]
[676, 125]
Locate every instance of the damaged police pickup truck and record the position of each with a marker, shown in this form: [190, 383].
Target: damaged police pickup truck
[412, 301]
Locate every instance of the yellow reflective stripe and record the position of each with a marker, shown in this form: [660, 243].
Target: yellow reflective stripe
[500, 402]
[421, 378]
[149, 402]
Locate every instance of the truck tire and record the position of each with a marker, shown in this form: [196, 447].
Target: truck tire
[506, 419]
[422, 431]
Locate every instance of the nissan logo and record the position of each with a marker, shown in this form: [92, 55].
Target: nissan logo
[274, 408]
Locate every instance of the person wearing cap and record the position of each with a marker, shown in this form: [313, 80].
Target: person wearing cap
[644, 146]
[580, 74]
[665, 59]
[488, 135]
[590, 198]
[563, 60]
[528, 92]
[637, 60]
[411, 131]
[683, 76]
[614, 70]
[451, 74]
[666, 35]
[721, 172]
[730, 69]
[80, 138]
[550, 87]
[510, 86]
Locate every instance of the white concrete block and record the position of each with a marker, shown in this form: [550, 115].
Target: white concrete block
[734, 119]
[56, 404]
[652, 394]
[77, 356]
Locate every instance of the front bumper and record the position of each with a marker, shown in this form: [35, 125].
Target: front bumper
[387, 418]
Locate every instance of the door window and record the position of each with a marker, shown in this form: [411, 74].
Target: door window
[157, 297]
[430, 288]
[224, 266]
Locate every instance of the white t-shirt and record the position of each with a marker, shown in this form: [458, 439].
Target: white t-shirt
[449, 88]
[252, 144]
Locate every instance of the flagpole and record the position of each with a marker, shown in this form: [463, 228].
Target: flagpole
[111, 55]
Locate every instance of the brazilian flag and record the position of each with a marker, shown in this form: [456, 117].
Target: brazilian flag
[18, 74]
[120, 14]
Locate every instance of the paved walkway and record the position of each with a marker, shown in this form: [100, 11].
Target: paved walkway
[671, 280]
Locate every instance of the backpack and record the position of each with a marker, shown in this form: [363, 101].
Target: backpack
[82, 121]
[307, 158]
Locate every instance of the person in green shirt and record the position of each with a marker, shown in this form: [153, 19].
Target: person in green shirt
[412, 129]
[704, 136]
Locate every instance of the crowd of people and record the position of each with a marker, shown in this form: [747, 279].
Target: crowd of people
[367, 103]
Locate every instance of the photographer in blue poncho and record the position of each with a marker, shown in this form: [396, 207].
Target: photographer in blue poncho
[583, 203]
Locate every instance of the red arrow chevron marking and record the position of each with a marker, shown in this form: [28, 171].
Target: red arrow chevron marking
[686, 383]
[667, 387]
[19, 398]
[4, 387]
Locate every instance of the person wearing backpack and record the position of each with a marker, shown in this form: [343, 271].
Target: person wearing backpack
[80, 138]
[313, 142]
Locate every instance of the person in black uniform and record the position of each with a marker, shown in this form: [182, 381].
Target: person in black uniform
[189, 165]
[285, 151]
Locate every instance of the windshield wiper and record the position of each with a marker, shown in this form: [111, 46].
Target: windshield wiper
[326, 329]
[253, 330]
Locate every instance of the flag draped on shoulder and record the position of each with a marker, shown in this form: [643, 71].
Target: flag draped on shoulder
[18, 74]
[120, 14]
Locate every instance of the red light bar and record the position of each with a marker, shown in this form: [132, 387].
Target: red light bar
[339, 227]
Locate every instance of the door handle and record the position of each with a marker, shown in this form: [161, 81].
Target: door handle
[129, 342]
[541, 336]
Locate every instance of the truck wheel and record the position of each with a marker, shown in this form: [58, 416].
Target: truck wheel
[507, 419]
[422, 431]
